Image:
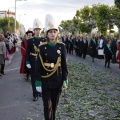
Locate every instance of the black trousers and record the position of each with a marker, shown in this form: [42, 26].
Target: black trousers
[50, 101]
[80, 52]
[2, 68]
[67, 49]
[84, 53]
[114, 59]
[32, 72]
[107, 60]
[71, 51]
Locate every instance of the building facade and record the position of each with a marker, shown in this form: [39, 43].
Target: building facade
[7, 14]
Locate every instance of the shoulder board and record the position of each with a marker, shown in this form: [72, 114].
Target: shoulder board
[30, 38]
[60, 43]
[44, 43]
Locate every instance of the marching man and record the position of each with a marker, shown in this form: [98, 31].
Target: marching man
[32, 46]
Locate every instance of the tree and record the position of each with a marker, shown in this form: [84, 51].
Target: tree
[117, 3]
[4, 24]
[116, 17]
[65, 24]
[85, 12]
[85, 28]
[102, 14]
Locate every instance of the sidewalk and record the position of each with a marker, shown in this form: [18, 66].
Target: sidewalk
[8, 62]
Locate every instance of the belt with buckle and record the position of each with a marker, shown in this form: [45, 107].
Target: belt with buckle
[52, 65]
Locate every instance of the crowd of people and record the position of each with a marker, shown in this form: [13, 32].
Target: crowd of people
[7, 47]
[97, 47]
[44, 59]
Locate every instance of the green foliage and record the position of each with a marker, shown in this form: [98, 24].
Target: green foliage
[85, 13]
[85, 28]
[4, 24]
[65, 24]
[104, 16]
[117, 3]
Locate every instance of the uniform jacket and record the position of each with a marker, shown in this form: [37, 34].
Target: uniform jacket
[50, 54]
[31, 45]
[107, 52]
[84, 44]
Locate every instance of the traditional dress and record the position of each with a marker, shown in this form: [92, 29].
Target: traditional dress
[23, 67]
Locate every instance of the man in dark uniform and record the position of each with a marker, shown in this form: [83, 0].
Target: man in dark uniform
[31, 54]
[80, 41]
[67, 43]
[84, 47]
[76, 46]
[93, 45]
[114, 49]
[71, 44]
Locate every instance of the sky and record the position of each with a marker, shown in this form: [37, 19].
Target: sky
[27, 11]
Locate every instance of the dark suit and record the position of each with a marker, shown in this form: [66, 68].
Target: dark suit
[80, 47]
[84, 48]
[114, 49]
[93, 46]
[108, 55]
[51, 86]
[30, 58]
[67, 44]
[71, 44]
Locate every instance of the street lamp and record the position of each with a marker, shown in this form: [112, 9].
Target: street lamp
[15, 14]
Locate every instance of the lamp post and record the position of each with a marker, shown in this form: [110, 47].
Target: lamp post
[15, 14]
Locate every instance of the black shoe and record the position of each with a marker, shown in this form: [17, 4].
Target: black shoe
[35, 98]
[108, 67]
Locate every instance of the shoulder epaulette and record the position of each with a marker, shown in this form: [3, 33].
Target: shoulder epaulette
[60, 43]
[44, 43]
[30, 38]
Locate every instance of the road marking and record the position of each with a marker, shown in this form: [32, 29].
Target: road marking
[15, 105]
[8, 106]
[12, 69]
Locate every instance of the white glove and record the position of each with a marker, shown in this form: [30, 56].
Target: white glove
[64, 87]
[28, 66]
[39, 89]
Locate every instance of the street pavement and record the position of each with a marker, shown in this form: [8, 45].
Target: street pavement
[16, 93]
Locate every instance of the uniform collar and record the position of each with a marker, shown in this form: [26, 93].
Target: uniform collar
[37, 37]
[52, 44]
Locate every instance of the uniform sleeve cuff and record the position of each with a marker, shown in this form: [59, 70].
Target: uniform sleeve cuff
[27, 62]
[38, 83]
[65, 81]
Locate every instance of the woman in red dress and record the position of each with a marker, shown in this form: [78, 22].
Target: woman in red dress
[118, 56]
[23, 68]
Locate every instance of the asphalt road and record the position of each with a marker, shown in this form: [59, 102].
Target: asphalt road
[16, 93]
